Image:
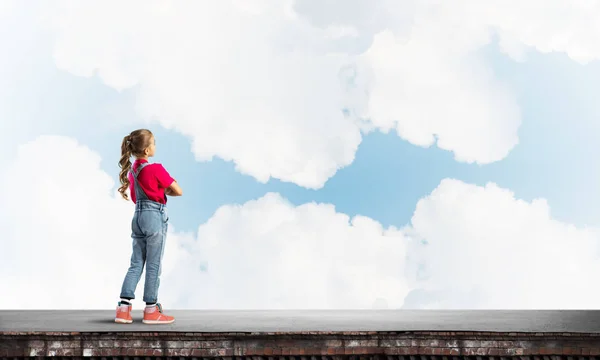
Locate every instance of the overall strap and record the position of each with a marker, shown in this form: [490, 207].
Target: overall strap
[137, 172]
[139, 192]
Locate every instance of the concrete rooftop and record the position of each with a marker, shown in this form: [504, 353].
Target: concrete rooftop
[309, 320]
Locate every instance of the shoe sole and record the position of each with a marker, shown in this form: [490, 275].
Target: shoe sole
[157, 322]
[123, 321]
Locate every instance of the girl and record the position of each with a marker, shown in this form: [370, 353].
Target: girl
[149, 185]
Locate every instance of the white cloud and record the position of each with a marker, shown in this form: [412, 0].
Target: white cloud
[6, 7]
[548, 26]
[66, 235]
[486, 249]
[428, 94]
[263, 84]
[247, 87]
[269, 254]
[429, 82]
[35, 97]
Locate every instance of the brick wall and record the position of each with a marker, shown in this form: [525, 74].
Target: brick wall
[274, 346]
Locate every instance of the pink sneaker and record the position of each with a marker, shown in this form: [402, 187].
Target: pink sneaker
[154, 315]
[123, 314]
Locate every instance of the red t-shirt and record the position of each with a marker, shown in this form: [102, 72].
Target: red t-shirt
[153, 179]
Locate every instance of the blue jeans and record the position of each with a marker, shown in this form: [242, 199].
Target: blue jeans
[149, 231]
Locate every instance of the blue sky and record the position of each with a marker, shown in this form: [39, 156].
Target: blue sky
[215, 84]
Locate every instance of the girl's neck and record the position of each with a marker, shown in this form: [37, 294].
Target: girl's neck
[142, 158]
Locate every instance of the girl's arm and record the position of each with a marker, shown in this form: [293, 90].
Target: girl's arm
[174, 189]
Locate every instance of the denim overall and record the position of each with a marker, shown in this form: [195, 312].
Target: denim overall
[149, 231]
